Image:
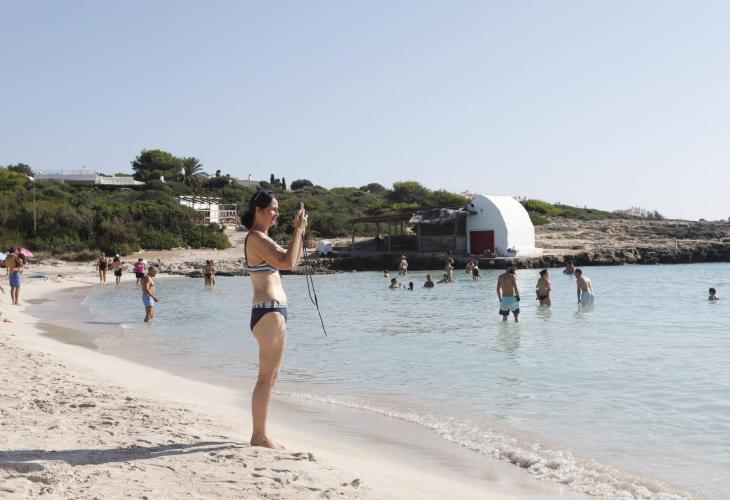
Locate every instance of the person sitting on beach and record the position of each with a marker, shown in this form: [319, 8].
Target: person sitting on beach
[117, 267]
[403, 266]
[209, 273]
[102, 266]
[714, 297]
[475, 275]
[569, 269]
[508, 293]
[14, 268]
[429, 282]
[394, 283]
[148, 294]
[139, 269]
[543, 288]
[584, 288]
[264, 259]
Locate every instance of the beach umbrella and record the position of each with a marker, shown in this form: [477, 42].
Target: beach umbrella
[26, 252]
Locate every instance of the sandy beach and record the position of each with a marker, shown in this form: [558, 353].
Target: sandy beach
[80, 424]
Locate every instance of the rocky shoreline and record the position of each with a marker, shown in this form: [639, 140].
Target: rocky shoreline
[608, 242]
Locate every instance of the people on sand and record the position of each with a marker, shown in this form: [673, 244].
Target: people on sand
[394, 284]
[543, 288]
[102, 265]
[264, 258]
[149, 294]
[209, 273]
[117, 264]
[714, 297]
[14, 268]
[508, 293]
[139, 269]
[569, 269]
[584, 288]
[429, 282]
[403, 266]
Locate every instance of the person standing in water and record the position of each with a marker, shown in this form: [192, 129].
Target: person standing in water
[508, 293]
[714, 297]
[403, 266]
[149, 295]
[449, 271]
[543, 288]
[264, 259]
[102, 266]
[429, 282]
[117, 266]
[584, 288]
[209, 273]
[569, 269]
[139, 269]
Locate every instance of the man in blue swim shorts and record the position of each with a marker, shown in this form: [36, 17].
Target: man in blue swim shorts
[508, 293]
[14, 267]
[148, 294]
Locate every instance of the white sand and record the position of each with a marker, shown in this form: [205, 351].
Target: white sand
[75, 423]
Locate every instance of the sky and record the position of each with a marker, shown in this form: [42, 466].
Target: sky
[600, 104]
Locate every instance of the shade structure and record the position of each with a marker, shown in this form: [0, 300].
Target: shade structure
[25, 252]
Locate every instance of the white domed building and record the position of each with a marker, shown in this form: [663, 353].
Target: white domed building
[499, 225]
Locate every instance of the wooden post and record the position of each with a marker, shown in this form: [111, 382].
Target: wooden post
[353, 238]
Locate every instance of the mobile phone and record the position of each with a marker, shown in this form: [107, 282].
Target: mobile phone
[301, 205]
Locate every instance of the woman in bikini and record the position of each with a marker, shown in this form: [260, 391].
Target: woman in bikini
[543, 288]
[264, 258]
[102, 266]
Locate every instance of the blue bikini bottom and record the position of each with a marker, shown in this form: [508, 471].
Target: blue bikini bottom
[270, 306]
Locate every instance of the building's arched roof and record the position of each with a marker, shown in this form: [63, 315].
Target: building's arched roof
[511, 210]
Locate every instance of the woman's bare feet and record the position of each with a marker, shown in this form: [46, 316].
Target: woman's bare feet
[266, 443]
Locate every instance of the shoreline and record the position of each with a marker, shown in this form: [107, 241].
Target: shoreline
[365, 460]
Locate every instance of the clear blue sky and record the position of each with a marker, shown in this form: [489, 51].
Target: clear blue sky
[606, 104]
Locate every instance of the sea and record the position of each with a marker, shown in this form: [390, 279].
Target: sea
[626, 398]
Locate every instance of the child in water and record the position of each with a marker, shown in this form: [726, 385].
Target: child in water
[714, 297]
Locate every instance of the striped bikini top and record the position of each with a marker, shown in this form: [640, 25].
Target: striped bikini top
[258, 268]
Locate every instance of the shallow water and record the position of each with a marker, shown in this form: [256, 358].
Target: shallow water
[628, 397]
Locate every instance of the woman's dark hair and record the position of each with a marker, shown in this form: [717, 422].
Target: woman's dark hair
[543, 272]
[712, 290]
[261, 199]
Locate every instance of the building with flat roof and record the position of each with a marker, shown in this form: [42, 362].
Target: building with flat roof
[210, 210]
[86, 178]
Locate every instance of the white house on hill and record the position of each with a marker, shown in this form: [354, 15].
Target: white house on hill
[498, 224]
[210, 210]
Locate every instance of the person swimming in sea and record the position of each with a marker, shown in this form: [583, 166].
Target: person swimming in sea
[584, 288]
[714, 297]
[543, 288]
[394, 284]
[475, 276]
[569, 269]
[410, 286]
[508, 293]
[385, 274]
[429, 282]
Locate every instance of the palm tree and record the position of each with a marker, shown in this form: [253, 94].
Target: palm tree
[190, 171]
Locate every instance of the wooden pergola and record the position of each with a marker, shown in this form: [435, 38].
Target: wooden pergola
[396, 220]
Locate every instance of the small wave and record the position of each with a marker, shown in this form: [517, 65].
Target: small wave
[124, 326]
[584, 476]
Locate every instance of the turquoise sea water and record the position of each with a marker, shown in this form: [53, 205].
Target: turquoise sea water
[628, 398]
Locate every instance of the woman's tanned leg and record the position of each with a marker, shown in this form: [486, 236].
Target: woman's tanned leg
[270, 332]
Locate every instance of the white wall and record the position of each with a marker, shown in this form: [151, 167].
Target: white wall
[507, 218]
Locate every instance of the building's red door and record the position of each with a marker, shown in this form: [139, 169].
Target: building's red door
[480, 241]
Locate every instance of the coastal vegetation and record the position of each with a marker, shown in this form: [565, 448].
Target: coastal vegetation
[64, 219]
